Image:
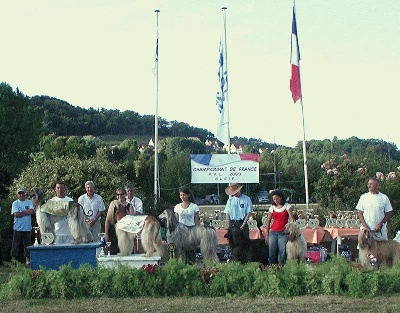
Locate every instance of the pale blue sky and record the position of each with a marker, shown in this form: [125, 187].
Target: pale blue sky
[100, 53]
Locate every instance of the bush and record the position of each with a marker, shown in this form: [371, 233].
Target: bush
[334, 277]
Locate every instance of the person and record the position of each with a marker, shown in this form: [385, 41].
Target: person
[374, 210]
[187, 212]
[22, 210]
[61, 228]
[238, 208]
[135, 202]
[93, 206]
[109, 224]
[279, 214]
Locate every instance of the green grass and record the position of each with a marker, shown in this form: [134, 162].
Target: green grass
[200, 304]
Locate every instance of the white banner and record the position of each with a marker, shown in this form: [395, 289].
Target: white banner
[225, 168]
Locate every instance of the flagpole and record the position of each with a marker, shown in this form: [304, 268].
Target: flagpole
[304, 154]
[295, 87]
[156, 172]
[227, 83]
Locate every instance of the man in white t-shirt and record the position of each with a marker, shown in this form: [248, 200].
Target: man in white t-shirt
[93, 206]
[374, 210]
[61, 228]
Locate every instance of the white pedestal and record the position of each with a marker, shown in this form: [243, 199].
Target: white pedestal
[133, 260]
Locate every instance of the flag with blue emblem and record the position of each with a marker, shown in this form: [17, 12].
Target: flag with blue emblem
[222, 97]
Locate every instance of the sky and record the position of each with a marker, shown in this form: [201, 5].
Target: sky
[101, 54]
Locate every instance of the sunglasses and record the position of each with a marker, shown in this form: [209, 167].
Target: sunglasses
[21, 192]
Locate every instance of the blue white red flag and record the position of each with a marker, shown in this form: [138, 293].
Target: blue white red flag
[155, 68]
[221, 100]
[295, 85]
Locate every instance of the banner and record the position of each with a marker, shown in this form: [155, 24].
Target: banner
[224, 168]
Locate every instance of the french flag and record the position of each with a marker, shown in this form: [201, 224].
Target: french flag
[295, 86]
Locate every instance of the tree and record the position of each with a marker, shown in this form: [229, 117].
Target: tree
[342, 184]
[20, 130]
[73, 171]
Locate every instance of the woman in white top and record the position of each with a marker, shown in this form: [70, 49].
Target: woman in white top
[187, 212]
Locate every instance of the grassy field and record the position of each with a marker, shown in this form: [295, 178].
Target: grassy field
[197, 305]
[308, 304]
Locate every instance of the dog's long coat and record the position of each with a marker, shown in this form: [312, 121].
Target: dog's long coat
[386, 252]
[245, 249]
[148, 226]
[296, 247]
[190, 238]
[50, 212]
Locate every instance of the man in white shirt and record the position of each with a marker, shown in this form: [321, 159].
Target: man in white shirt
[93, 206]
[135, 202]
[374, 210]
[61, 228]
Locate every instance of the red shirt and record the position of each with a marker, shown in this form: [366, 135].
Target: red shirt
[280, 217]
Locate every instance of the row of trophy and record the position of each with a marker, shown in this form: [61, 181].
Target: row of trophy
[341, 219]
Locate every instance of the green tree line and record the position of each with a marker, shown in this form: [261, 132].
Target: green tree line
[37, 151]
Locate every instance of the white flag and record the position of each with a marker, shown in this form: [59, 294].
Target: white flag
[221, 101]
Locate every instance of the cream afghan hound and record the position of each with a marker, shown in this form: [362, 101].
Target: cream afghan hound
[127, 228]
[296, 247]
[49, 212]
[190, 238]
[385, 253]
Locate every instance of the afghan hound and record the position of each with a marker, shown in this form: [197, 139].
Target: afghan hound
[49, 212]
[127, 228]
[245, 249]
[296, 246]
[186, 238]
[374, 254]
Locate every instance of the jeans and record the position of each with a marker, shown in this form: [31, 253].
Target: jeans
[277, 247]
[20, 237]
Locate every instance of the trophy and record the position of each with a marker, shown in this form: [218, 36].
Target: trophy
[108, 244]
[47, 238]
[36, 229]
[103, 244]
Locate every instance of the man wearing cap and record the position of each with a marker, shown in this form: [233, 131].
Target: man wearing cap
[238, 208]
[93, 206]
[22, 210]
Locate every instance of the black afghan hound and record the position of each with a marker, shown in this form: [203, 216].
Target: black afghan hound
[245, 249]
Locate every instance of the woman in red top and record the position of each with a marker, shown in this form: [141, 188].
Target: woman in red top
[280, 213]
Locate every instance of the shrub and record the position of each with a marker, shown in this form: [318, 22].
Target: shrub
[334, 277]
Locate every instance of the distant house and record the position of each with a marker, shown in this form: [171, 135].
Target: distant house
[210, 144]
[194, 138]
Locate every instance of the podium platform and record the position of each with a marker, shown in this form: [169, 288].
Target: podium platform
[133, 260]
[54, 256]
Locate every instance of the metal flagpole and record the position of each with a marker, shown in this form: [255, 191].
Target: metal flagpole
[304, 154]
[296, 91]
[227, 84]
[156, 172]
